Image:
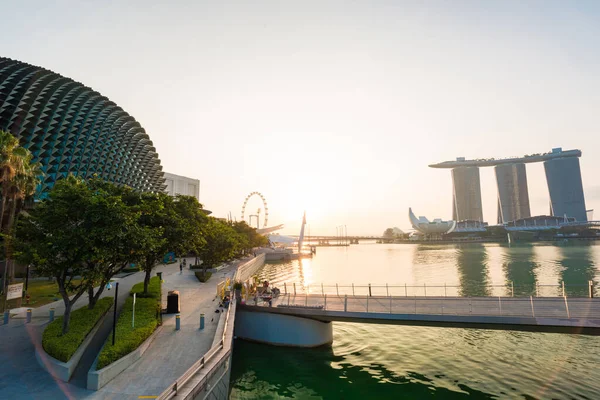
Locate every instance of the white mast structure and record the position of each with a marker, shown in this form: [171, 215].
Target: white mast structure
[301, 238]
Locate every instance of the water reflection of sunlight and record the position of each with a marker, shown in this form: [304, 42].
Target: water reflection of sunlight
[306, 271]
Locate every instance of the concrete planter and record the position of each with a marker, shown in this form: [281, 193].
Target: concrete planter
[96, 379]
[62, 370]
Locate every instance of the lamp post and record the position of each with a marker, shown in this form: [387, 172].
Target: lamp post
[109, 286]
[345, 235]
[27, 278]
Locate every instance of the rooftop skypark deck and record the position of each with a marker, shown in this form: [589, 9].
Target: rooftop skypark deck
[490, 162]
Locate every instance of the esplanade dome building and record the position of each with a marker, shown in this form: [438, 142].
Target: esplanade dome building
[72, 129]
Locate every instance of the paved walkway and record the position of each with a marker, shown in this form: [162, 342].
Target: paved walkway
[171, 353]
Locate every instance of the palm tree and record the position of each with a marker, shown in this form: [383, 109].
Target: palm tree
[19, 178]
[9, 163]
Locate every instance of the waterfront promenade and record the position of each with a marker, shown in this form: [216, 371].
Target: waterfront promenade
[170, 354]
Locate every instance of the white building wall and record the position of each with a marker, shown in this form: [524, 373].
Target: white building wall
[177, 184]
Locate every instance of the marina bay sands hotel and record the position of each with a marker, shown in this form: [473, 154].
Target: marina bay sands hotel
[563, 176]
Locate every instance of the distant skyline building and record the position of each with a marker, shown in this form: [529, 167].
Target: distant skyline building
[513, 195]
[566, 188]
[178, 184]
[466, 194]
[435, 227]
[563, 175]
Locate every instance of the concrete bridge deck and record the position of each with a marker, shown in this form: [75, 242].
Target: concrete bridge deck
[539, 314]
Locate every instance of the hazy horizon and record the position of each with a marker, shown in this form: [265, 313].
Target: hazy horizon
[333, 107]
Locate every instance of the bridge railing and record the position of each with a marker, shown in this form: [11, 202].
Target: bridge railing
[536, 307]
[510, 289]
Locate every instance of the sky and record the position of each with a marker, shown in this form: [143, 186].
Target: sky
[335, 108]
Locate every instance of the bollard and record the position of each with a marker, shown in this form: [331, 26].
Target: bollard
[591, 283]
[201, 321]
[369, 292]
[51, 314]
[6, 316]
[345, 302]
[284, 288]
[177, 322]
[28, 315]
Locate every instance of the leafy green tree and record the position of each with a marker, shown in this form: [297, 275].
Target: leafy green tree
[191, 219]
[159, 222]
[116, 240]
[171, 224]
[249, 237]
[222, 243]
[83, 229]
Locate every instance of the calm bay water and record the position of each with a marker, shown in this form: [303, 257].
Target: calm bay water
[381, 362]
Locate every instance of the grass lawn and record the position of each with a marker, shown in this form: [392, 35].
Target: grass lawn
[127, 338]
[41, 292]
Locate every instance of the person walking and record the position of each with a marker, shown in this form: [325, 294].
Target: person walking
[184, 263]
[181, 268]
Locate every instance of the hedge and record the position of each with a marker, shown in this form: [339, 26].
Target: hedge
[62, 347]
[127, 338]
[203, 277]
[153, 288]
[197, 266]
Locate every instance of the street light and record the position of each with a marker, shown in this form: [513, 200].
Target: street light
[109, 286]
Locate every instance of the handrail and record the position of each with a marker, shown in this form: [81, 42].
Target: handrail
[546, 307]
[422, 289]
[171, 391]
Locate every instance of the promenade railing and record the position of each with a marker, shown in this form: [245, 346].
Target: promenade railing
[510, 289]
[530, 306]
[219, 354]
[214, 353]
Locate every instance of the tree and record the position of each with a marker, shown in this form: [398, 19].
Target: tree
[81, 230]
[19, 178]
[165, 229]
[116, 240]
[11, 157]
[388, 233]
[222, 243]
[249, 237]
[191, 219]
[171, 224]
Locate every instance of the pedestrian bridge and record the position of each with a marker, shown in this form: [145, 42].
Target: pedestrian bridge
[305, 319]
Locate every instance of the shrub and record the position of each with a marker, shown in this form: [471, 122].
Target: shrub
[153, 288]
[127, 338]
[197, 266]
[203, 277]
[82, 321]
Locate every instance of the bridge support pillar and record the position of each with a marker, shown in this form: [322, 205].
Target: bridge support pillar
[282, 330]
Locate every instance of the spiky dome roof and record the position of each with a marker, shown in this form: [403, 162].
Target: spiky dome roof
[71, 129]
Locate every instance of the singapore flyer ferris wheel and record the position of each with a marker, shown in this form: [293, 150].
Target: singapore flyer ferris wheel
[257, 215]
